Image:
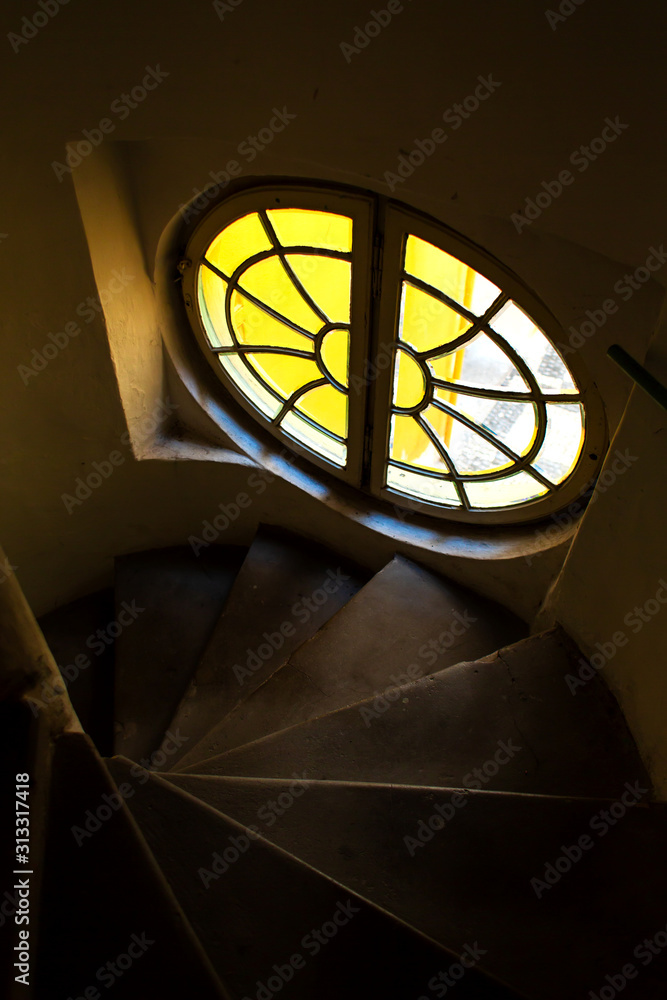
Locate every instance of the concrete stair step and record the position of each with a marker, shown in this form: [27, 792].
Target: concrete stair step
[86, 661]
[167, 604]
[471, 867]
[287, 589]
[404, 618]
[508, 722]
[104, 896]
[254, 907]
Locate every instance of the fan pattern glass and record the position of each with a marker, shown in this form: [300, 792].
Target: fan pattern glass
[485, 414]
[274, 294]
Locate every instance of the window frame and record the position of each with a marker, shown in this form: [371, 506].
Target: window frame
[400, 221]
[380, 227]
[360, 208]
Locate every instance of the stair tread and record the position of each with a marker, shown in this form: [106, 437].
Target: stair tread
[266, 906]
[280, 573]
[404, 617]
[103, 886]
[438, 729]
[88, 664]
[469, 877]
[180, 595]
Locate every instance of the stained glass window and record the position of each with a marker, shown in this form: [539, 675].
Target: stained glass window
[274, 295]
[475, 411]
[485, 413]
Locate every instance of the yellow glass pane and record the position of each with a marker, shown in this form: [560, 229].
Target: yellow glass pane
[448, 274]
[211, 292]
[284, 373]
[327, 281]
[253, 325]
[427, 323]
[327, 406]
[237, 242]
[410, 443]
[335, 352]
[299, 227]
[409, 384]
[268, 281]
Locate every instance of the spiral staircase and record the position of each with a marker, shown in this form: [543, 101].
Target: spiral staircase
[278, 775]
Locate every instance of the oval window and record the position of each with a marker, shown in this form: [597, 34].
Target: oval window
[392, 353]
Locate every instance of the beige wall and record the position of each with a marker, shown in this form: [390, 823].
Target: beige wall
[612, 594]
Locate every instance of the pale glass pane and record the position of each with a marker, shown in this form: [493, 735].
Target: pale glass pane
[211, 292]
[327, 406]
[515, 424]
[481, 364]
[505, 492]
[253, 325]
[528, 340]
[422, 487]
[316, 440]
[335, 352]
[425, 322]
[563, 441]
[237, 242]
[328, 282]
[449, 275]
[298, 227]
[284, 373]
[268, 281]
[252, 389]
